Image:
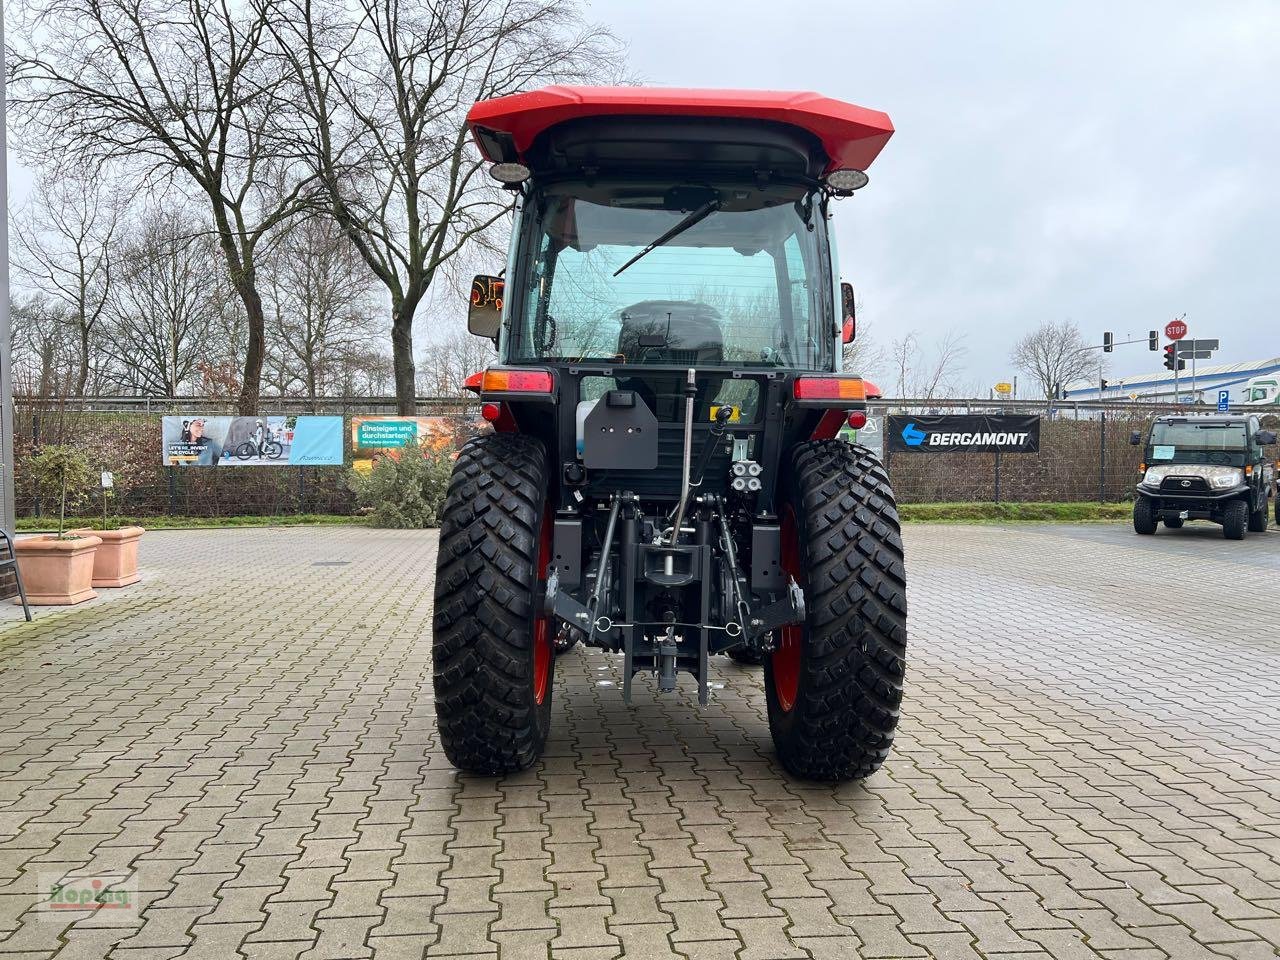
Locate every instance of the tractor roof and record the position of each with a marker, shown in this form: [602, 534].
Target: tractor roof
[507, 127]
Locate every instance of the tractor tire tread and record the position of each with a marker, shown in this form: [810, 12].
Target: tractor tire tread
[842, 724]
[486, 586]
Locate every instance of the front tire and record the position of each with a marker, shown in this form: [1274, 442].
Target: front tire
[1235, 520]
[492, 658]
[834, 685]
[1144, 518]
[1258, 519]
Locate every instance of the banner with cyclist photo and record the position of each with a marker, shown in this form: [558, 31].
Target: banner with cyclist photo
[191, 440]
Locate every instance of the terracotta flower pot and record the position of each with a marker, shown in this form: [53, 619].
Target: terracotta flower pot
[56, 571]
[116, 562]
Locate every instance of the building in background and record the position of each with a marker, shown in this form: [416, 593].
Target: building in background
[1209, 379]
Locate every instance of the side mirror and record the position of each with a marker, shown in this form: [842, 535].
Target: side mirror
[484, 318]
[848, 311]
[1135, 438]
[1266, 437]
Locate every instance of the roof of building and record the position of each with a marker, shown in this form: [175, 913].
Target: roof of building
[852, 136]
[1222, 375]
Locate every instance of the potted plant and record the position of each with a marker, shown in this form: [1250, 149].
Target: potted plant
[58, 568]
[116, 562]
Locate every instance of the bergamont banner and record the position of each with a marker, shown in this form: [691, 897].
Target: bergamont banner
[963, 433]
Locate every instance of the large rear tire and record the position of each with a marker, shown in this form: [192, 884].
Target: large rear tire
[492, 656]
[834, 685]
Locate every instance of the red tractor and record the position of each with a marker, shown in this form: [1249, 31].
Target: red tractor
[664, 480]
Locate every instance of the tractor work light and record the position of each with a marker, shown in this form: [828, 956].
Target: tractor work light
[517, 381]
[509, 173]
[847, 180]
[829, 388]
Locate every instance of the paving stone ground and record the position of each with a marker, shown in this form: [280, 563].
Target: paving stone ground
[1088, 766]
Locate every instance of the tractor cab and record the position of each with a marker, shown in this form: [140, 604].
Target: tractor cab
[670, 326]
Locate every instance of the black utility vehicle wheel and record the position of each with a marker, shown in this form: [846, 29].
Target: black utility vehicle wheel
[834, 685]
[1235, 520]
[1258, 519]
[746, 656]
[492, 647]
[1144, 518]
[1173, 523]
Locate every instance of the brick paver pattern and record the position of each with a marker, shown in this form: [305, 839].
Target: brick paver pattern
[1088, 766]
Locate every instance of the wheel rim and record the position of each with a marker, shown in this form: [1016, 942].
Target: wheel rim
[543, 649]
[786, 659]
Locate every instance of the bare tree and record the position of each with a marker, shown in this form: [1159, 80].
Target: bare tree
[927, 375]
[64, 248]
[444, 367]
[161, 313]
[382, 99]
[864, 356]
[321, 312]
[43, 355]
[1053, 355]
[181, 92]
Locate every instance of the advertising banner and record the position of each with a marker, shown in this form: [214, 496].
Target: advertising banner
[192, 440]
[967, 433]
[385, 436]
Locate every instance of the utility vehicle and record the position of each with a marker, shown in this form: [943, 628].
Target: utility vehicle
[663, 479]
[1205, 468]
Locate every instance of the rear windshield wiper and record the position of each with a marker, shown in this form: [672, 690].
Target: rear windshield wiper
[704, 211]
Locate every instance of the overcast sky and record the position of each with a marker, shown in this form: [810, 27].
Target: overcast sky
[1114, 163]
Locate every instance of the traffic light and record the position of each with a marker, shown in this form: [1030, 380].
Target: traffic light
[1153, 340]
[1106, 342]
[1171, 361]
[1102, 383]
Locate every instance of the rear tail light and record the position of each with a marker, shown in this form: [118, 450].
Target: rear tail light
[517, 381]
[829, 388]
[857, 419]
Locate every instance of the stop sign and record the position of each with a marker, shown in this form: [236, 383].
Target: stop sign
[1175, 330]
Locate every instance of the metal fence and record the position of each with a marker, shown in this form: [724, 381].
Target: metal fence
[1084, 455]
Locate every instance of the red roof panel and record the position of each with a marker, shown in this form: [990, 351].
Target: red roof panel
[852, 136]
